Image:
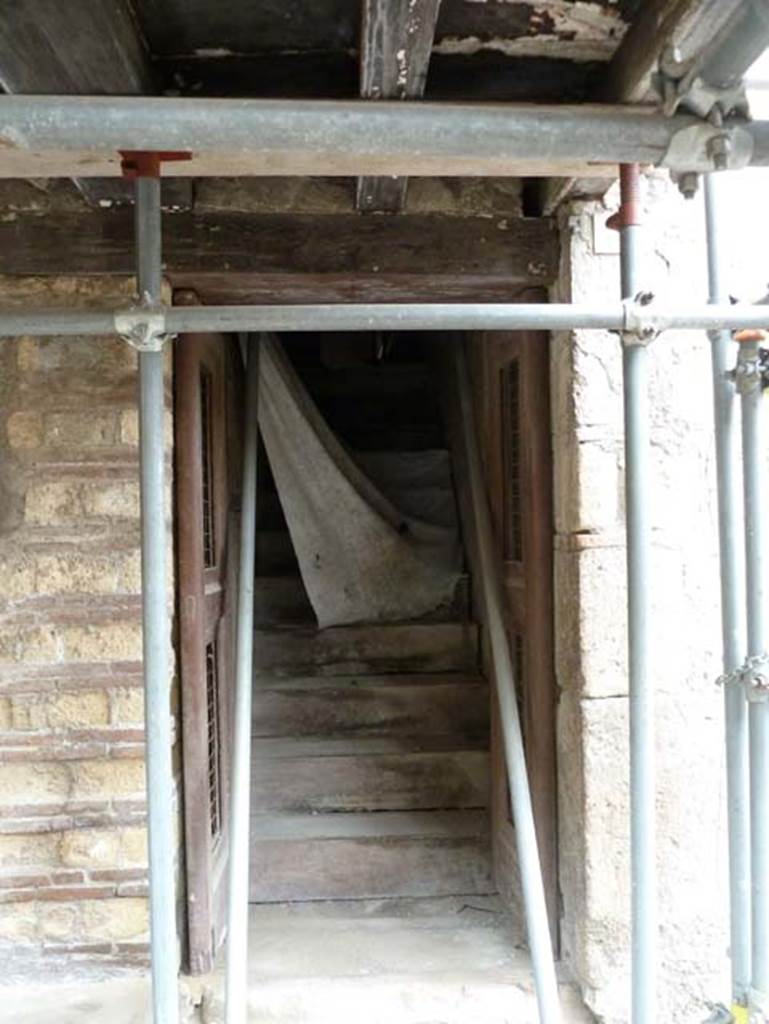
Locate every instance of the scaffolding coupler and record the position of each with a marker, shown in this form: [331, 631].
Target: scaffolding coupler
[143, 326]
[752, 369]
[752, 676]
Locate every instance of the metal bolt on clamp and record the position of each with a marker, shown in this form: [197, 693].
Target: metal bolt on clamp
[639, 328]
[143, 327]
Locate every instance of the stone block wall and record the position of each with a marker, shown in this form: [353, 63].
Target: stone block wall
[73, 875]
[591, 636]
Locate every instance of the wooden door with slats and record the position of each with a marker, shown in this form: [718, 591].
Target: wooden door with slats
[207, 425]
[513, 370]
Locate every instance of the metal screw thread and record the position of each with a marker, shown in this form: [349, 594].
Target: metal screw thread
[630, 194]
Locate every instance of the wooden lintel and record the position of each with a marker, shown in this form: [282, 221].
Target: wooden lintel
[396, 42]
[299, 258]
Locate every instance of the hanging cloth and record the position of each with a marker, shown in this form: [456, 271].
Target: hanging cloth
[361, 560]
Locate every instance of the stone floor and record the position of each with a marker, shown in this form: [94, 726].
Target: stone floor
[439, 961]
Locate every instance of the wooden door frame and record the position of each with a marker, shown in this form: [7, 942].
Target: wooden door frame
[533, 618]
[205, 598]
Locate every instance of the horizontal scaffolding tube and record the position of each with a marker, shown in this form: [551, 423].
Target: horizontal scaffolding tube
[67, 135]
[394, 317]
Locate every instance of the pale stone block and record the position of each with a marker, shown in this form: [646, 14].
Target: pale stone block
[119, 499]
[90, 848]
[85, 428]
[122, 919]
[20, 783]
[107, 778]
[18, 922]
[74, 710]
[590, 625]
[6, 714]
[76, 574]
[133, 847]
[60, 921]
[129, 427]
[128, 706]
[17, 572]
[27, 352]
[53, 502]
[23, 851]
[27, 644]
[25, 429]
[129, 569]
[109, 641]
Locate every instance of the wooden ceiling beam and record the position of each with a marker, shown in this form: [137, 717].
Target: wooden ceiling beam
[86, 47]
[396, 43]
[255, 258]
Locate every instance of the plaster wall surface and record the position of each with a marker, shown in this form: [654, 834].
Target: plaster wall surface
[590, 582]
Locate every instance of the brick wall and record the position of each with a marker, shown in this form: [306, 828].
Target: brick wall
[72, 839]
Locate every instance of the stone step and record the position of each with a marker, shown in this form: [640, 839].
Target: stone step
[282, 600]
[373, 649]
[412, 705]
[357, 856]
[371, 774]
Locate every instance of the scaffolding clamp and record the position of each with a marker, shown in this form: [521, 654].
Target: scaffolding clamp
[752, 370]
[143, 326]
[752, 676]
[639, 327]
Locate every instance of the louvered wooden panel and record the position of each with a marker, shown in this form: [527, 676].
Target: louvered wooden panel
[207, 437]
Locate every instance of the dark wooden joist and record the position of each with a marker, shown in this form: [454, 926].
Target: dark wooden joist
[89, 47]
[487, 75]
[687, 25]
[236, 258]
[396, 43]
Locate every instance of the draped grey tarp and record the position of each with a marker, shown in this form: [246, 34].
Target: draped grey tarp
[361, 559]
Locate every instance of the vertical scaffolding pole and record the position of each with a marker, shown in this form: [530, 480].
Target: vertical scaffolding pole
[732, 618]
[641, 702]
[155, 621]
[756, 561]
[237, 895]
[489, 573]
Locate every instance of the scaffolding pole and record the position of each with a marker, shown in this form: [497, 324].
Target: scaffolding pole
[156, 626]
[236, 980]
[732, 618]
[639, 318]
[750, 384]
[62, 136]
[505, 686]
[635, 374]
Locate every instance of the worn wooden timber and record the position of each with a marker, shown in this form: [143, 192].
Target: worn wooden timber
[396, 43]
[88, 47]
[238, 258]
[485, 75]
[275, 26]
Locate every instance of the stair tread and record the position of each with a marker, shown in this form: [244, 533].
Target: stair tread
[393, 680]
[365, 746]
[343, 650]
[452, 824]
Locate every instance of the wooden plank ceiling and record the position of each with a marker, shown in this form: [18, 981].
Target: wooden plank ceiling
[493, 50]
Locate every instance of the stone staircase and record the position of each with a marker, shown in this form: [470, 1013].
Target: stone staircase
[370, 743]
